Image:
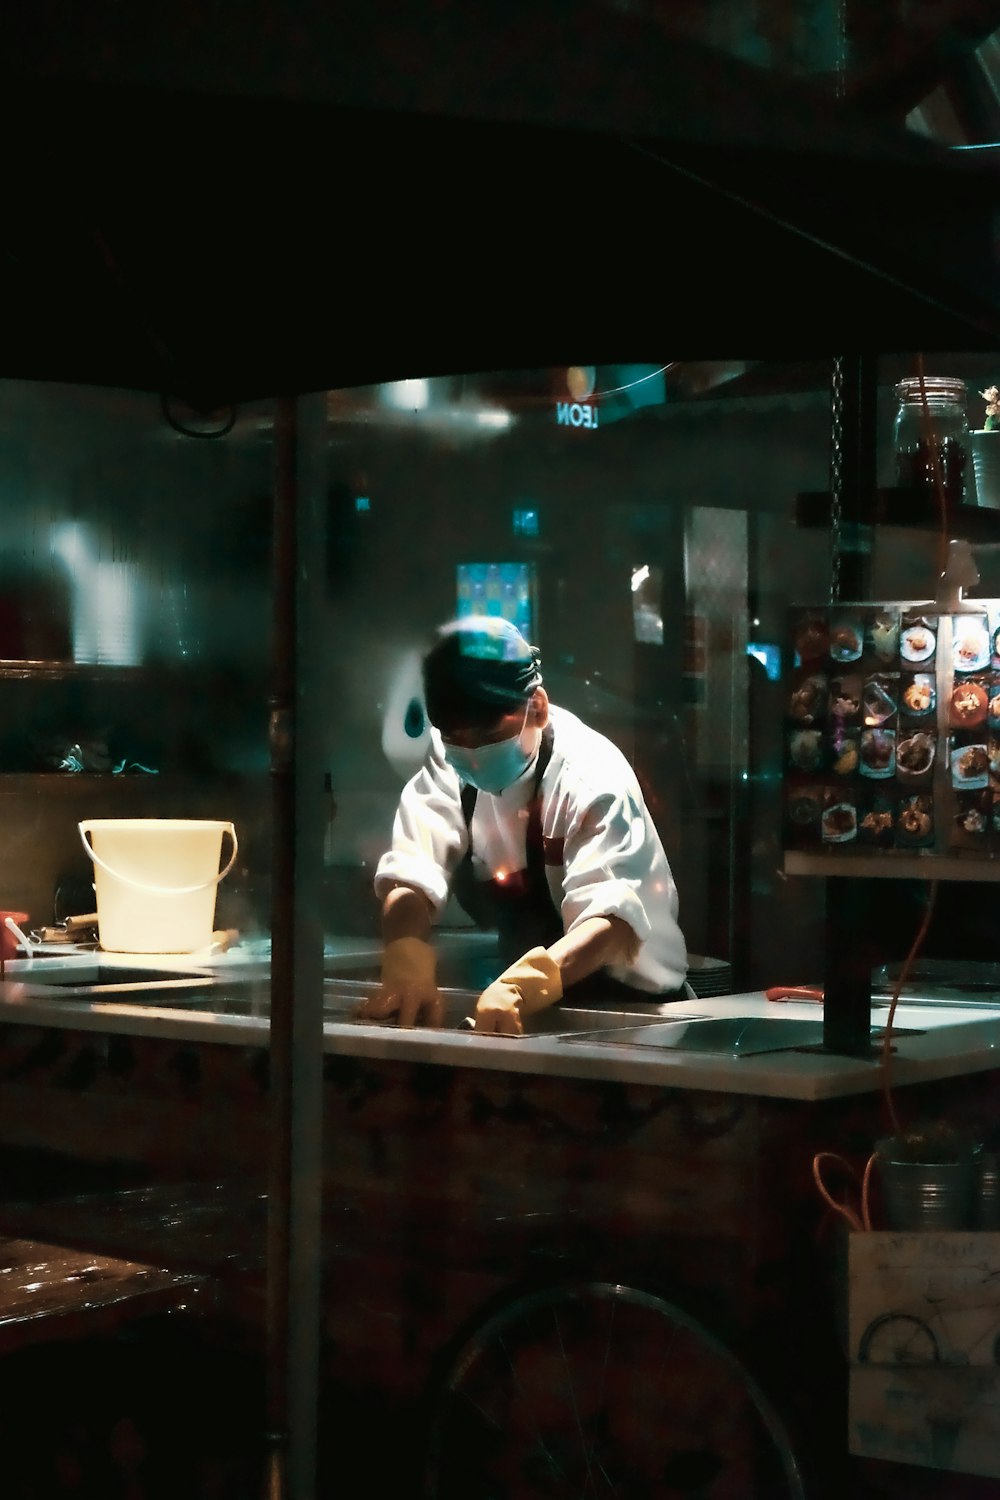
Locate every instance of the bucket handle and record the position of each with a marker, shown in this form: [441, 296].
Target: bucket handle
[160, 890]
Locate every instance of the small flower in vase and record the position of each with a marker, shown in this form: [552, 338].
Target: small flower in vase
[991, 396]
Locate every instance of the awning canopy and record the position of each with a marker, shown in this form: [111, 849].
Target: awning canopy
[376, 198]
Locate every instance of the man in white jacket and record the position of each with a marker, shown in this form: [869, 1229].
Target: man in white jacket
[538, 825]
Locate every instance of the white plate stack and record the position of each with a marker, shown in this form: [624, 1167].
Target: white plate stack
[709, 976]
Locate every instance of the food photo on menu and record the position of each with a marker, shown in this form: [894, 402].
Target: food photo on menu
[810, 636]
[882, 634]
[915, 821]
[808, 699]
[847, 637]
[917, 641]
[845, 752]
[970, 764]
[806, 750]
[971, 822]
[845, 699]
[970, 697]
[877, 816]
[878, 753]
[993, 758]
[840, 818]
[803, 810]
[918, 699]
[915, 755]
[880, 699]
[970, 648]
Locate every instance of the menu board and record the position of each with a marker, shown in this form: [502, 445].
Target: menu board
[892, 730]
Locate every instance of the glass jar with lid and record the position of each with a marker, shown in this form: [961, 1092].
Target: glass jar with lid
[930, 436]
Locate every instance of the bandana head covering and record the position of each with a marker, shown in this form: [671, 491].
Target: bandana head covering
[479, 669]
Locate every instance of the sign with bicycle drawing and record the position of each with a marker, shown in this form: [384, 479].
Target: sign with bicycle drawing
[924, 1334]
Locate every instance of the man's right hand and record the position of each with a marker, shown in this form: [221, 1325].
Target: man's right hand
[408, 988]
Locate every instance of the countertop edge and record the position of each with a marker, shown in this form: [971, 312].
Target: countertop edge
[973, 1046]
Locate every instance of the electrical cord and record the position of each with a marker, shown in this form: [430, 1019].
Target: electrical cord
[885, 1062]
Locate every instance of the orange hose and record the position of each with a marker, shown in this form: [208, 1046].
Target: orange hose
[860, 1219]
[904, 974]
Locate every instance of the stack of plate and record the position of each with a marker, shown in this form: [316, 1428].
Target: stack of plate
[709, 976]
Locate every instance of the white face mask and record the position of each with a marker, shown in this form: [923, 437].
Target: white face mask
[492, 768]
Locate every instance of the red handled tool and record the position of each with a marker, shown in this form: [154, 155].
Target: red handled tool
[794, 992]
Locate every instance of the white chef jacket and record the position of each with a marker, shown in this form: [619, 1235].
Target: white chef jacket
[603, 856]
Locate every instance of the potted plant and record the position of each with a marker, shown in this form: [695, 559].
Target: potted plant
[986, 451]
[929, 1177]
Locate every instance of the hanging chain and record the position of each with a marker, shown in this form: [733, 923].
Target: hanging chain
[836, 473]
[840, 67]
[837, 376]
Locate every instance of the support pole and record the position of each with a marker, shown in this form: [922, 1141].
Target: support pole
[296, 1044]
[852, 951]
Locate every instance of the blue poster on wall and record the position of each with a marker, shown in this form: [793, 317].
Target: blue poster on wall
[498, 588]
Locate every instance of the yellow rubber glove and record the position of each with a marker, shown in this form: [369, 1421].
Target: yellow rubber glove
[408, 985]
[529, 985]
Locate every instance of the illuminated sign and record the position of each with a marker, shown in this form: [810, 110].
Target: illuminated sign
[575, 414]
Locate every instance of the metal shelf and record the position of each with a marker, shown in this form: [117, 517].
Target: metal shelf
[892, 864]
[23, 669]
[900, 506]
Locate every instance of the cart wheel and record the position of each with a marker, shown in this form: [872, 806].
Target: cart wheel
[594, 1389]
[898, 1339]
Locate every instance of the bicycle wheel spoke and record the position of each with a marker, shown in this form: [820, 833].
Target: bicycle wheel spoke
[666, 1357]
[480, 1411]
[540, 1441]
[588, 1469]
[597, 1391]
[591, 1454]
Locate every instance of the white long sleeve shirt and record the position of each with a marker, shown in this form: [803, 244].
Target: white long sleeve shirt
[603, 856]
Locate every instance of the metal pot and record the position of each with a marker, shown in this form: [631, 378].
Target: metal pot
[928, 1195]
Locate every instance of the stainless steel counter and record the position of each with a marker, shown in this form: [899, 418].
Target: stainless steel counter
[736, 1043]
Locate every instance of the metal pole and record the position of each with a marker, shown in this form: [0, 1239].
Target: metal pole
[296, 1040]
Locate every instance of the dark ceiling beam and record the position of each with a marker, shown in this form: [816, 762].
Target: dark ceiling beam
[892, 74]
[973, 101]
[222, 246]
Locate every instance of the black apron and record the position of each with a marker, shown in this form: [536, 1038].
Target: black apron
[520, 906]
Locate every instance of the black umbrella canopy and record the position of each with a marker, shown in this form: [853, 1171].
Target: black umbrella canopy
[259, 203]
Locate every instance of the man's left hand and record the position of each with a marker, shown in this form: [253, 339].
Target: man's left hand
[533, 983]
[498, 1010]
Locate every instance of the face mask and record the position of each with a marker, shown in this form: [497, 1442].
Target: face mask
[492, 768]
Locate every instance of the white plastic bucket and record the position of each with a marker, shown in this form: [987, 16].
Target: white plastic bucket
[156, 881]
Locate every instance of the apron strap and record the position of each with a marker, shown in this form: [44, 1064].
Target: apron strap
[534, 843]
[522, 908]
